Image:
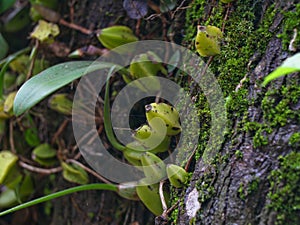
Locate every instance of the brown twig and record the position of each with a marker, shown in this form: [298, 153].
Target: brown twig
[137, 27]
[292, 48]
[71, 5]
[226, 16]
[60, 130]
[40, 170]
[178, 8]
[31, 66]
[75, 27]
[89, 170]
[188, 163]
[11, 137]
[55, 17]
[172, 207]
[162, 197]
[82, 139]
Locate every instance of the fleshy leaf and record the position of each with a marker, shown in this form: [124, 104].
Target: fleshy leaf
[3, 47]
[6, 4]
[7, 160]
[290, 65]
[44, 151]
[74, 173]
[167, 5]
[45, 32]
[10, 197]
[50, 80]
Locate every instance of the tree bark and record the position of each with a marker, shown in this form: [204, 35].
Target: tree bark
[240, 188]
[255, 177]
[237, 188]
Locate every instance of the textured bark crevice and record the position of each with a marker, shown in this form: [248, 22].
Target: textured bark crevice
[241, 184]
[235, 188]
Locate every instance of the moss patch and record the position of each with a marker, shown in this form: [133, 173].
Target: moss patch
[248, 31]
[277, 105]
[291, 22]
[285, 192]
[242, 38]
[295, 140]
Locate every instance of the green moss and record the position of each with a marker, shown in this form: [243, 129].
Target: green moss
[295, 139]
[239, 154]
[245, 190]
[259, 132]
[260, 139]
[176, 194]
[204, 186]
[253, 187]
[245, 38]
[291, 21]
[241, 192]
[174, 199]
[174, 216]
[284, 191]
[277, 105]
[193, 15]
[241, 41]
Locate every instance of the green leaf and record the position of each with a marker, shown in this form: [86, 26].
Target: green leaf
[13, 178]
[7, 160]
[61, 103]
[167, 5]
[44, 151]
[290, 65]
[6, 4]
[11, 197]
[17, 19]
[44, 154]
[74, 173]
[50, 80]
[31, 136]
[8, 198]
[3, 47]
[46, 162]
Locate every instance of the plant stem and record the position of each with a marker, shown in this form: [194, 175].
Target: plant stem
[5, 63]
[107, 119]
[109, 187]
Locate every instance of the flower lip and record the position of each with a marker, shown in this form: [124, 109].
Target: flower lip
[201, 28]
[148, 108]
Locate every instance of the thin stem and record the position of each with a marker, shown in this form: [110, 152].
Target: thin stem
[162, 197]
[22, 51]
[107, 119]
[38, 169]
[11, 137]
[2, 72]
[109, 187]
[75, 27]
[89, 170]
[5, 63]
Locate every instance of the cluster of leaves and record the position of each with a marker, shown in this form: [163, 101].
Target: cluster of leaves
[284, 191]
[18, 68]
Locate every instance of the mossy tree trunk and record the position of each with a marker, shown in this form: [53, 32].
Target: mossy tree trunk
[255, 177]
